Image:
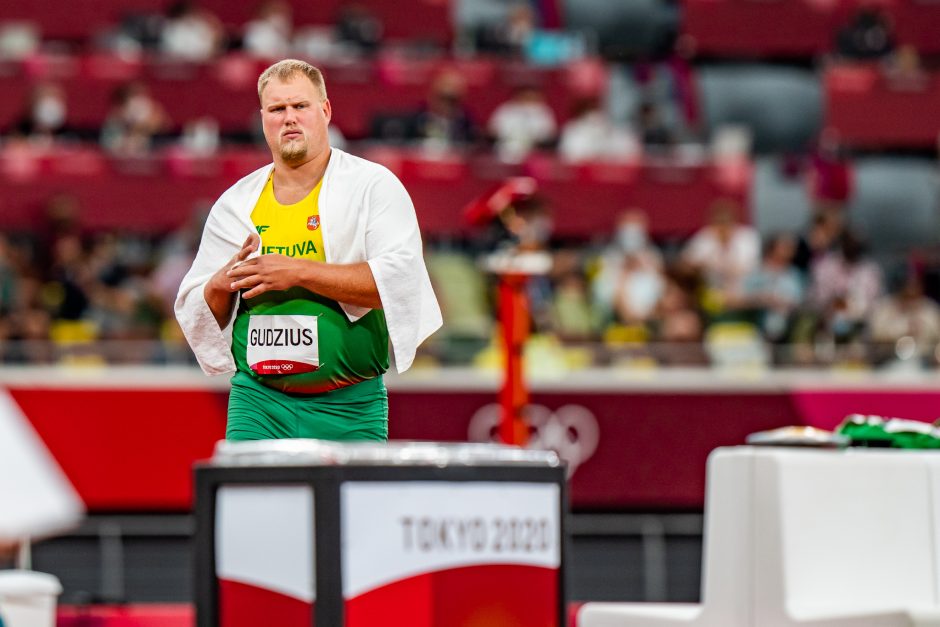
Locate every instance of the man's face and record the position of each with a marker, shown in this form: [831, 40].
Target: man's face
[294, 119]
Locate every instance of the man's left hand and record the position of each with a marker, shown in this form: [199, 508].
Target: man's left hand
[267, 272]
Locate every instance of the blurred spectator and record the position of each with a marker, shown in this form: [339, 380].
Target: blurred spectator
[60, 217]
[66, 292]
[515, 32]
[590, 135]
[722, 254]
[830, 177]
[191, 33]
[554, 48]
[29, 332]
[134, 120]
[639, 289]
[201, 137]
[528, 225]
[906, 313]
[667, 81]
[45, 115]
[845, 285]
[318, 41]
[510, 35]
[175, 256]
[572, 316]
[904, 70]
[630, 282]
[868, 35]
[9, 278]
[138, 31]
[679, 321]
[358, 26]
[653, 130]
[522, 123]
[120, 306]
[107, 304]
[268, 34]
[520, 25]
[19, 39]
[771, 293]
[444, 120]
[824, 233]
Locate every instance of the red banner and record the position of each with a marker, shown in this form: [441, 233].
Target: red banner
[132, 448]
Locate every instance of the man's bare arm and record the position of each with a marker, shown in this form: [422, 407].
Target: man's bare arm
[218, 292]
[347, 283]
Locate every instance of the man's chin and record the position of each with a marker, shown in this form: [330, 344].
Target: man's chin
[295, 156]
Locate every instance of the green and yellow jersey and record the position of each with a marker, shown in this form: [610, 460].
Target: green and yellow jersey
[295, 340]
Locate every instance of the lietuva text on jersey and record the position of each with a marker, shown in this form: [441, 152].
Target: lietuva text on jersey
[296, 250]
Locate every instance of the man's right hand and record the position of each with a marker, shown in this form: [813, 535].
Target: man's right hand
[218, 292]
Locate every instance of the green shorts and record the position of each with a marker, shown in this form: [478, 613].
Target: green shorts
[356, 412]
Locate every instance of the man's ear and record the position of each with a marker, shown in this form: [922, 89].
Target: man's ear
[327, 110]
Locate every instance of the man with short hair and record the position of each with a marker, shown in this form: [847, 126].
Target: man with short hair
[319, 257]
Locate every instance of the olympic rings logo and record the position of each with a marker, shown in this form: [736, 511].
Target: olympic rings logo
[571, 430]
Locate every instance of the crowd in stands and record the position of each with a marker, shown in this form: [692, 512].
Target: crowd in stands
[805, 293]
[794, 298]
[808, 297]
[60, 283]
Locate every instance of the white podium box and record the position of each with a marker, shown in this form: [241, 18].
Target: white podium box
[28, 599]
[301, 532]
[810, 537]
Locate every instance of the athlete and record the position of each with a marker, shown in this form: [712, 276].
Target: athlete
[307, 268]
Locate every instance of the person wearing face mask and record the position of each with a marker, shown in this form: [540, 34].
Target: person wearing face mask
[630, 281]
[631, 234]
[638, 290]
[45, 117]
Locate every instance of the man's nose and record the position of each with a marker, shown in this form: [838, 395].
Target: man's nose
[290, 114]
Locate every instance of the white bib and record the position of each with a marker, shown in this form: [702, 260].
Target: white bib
[282, 344]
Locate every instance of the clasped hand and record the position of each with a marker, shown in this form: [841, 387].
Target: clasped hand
[264, 273]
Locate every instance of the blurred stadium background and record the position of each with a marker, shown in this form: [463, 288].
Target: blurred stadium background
[739, 196]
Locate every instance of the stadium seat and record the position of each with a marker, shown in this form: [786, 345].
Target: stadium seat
[783, 107]
[780, 202]
[822, 538]
[894, 204]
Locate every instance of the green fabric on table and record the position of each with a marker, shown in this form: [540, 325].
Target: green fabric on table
[876, 431]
